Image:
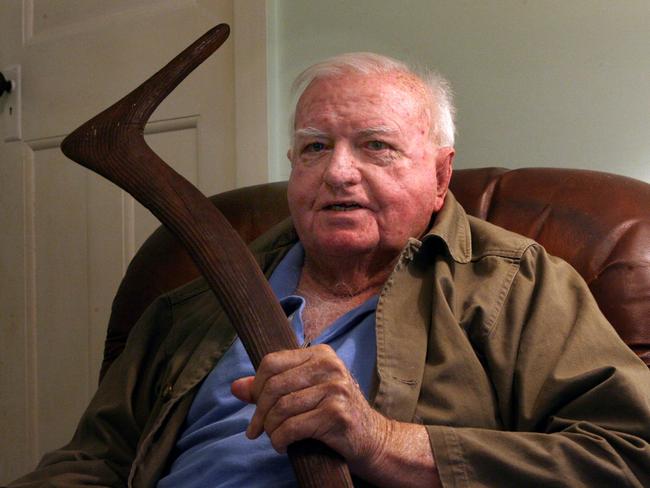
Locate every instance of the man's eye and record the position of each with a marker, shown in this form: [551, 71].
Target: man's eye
[314, 147]
[377, 145]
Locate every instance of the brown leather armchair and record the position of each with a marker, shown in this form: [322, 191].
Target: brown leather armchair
[598, 222]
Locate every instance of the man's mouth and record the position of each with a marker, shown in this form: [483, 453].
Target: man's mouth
[343, 207]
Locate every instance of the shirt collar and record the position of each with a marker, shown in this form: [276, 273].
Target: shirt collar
[451, 228]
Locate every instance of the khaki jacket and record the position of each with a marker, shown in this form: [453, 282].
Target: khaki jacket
[496, 347]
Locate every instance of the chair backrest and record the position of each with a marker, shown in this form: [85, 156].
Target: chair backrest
[598, 222]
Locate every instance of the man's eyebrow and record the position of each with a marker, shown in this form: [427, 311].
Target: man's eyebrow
[309, 132]
[367, 132]
[381, 130]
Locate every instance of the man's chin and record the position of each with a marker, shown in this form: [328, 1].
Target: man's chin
[344, 247]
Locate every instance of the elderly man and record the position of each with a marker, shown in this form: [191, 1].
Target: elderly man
[443, 351]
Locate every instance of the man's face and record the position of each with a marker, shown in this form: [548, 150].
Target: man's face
[366, 174]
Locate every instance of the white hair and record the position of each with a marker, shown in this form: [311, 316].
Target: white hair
[438, 89]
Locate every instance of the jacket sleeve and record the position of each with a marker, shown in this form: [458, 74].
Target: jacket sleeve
[104, 444]
[574, 400]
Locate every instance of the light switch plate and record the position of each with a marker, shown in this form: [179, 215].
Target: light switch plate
[10, 104]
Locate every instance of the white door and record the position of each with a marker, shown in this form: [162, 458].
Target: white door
[66, 234]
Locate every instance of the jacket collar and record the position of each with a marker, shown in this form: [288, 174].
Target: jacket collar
[451, 228]
[272, 245]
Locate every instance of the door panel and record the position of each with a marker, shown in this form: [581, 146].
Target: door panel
[61, 305]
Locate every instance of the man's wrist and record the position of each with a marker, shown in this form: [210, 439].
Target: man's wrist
[401, 456]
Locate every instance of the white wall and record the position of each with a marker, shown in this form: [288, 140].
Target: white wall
[538, 83]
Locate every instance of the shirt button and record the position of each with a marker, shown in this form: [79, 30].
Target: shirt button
[167, 391]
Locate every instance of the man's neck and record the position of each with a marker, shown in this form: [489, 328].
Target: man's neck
[332, 288]
[343, 278]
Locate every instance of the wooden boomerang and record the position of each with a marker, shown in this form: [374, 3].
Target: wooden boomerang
[112, 144]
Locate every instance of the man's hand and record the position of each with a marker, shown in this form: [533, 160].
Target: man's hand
[309, 393]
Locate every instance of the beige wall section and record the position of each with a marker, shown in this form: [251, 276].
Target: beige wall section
[547, 82]
[251, 135]
[67, 234]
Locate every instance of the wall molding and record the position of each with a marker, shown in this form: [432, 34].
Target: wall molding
[153, 127]
[30, 324]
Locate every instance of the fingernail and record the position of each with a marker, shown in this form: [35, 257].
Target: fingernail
[252, 432]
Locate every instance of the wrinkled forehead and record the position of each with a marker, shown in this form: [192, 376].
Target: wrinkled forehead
[391, 90]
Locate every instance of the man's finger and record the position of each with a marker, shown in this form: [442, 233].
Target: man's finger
[295, 404]
[243, 389]
[327, 424]
[293, 372]
[275, 388]
[276, 363]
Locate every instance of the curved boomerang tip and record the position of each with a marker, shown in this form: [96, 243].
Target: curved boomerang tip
[127, 117]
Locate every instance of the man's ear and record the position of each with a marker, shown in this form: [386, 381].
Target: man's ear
[444, 168]
[290, 156]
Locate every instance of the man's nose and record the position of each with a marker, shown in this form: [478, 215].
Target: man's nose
[342, 169]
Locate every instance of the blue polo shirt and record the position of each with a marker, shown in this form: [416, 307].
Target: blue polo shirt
[212, 449]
